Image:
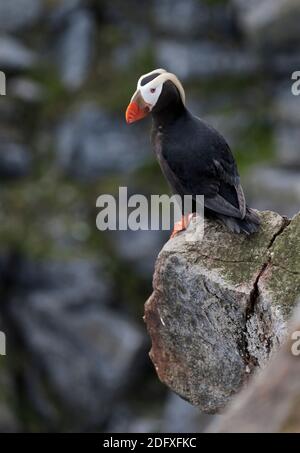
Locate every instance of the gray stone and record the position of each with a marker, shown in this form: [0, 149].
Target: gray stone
[220, 307]
[18, 14]
[75, 48]
[26, 90]
[91, 144]
[205, 59]
[271, 402]
[14, 55]
[76, 346]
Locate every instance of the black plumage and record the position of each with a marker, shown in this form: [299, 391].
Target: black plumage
[196, 160]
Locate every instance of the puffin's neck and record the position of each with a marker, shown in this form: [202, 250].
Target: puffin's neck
[169, 114]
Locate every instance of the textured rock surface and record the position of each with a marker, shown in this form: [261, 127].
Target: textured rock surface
[75, 48]
[271, 403]
[219, 307]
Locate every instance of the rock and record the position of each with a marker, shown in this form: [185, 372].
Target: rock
[26, 90]
[80, 354]
[91, 144]
[266, 22]
[14, 56]
[191, 17]
[274, 188]
[75, 48]
[15, 161]
[205, 59]
[271, 403]
[280, 283]
[216, 314]
[18, 14]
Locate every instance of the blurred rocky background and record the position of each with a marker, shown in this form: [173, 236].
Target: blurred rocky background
[72, 297]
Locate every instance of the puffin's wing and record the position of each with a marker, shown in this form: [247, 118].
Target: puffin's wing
[222, 206]
[207, 167]
[227, 172]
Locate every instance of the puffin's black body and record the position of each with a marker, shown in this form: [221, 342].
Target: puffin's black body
[196, 160]
[194, 157]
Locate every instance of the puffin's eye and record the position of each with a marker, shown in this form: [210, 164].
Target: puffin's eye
[152, 90]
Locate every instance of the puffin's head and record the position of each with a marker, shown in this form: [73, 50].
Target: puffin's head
[154, 91]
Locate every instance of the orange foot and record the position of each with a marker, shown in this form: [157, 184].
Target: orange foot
[182, 224]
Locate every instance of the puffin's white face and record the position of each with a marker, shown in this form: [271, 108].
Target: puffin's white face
[150, 92]
[149, 88]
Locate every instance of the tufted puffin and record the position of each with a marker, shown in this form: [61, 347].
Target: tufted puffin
[193, 156]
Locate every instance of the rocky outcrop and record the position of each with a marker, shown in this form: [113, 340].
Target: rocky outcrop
[220, 306]
[271, 403]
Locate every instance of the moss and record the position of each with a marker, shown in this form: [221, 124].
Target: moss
[284, 275]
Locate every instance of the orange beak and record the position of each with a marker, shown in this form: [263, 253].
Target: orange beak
[137, 109]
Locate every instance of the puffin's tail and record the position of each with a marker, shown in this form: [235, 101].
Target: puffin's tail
[248, 225]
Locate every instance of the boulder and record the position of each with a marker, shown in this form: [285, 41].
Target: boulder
[220, 306]
[14, 55]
